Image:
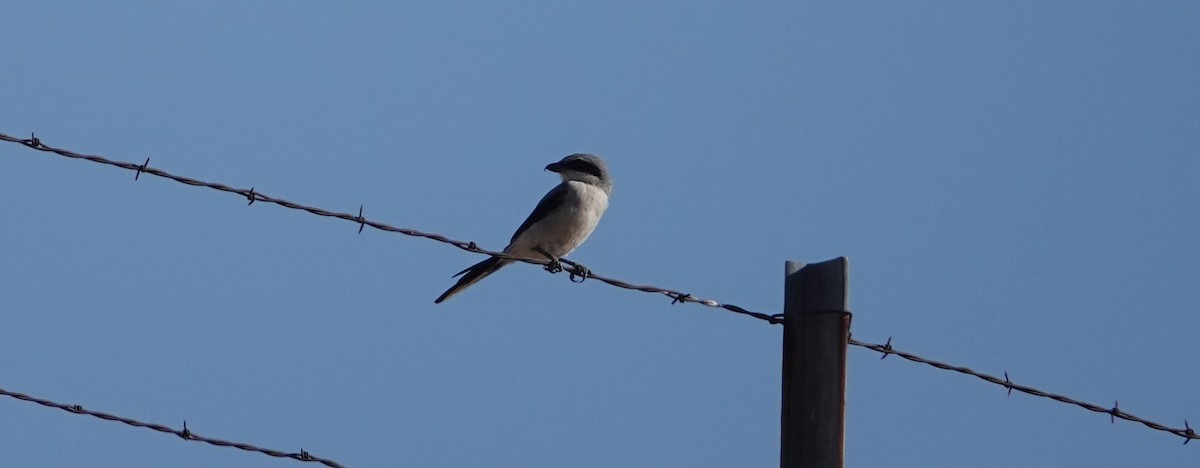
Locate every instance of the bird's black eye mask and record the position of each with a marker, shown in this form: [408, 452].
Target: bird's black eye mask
[580, 165]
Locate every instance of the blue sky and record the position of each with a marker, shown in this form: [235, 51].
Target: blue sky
[1014, 185]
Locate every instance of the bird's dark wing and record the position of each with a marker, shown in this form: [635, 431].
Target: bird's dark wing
[552, 201]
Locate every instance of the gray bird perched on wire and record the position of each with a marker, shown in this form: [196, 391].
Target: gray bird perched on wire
[564, 218]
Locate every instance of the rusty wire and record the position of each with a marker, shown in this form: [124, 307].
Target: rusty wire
[253, 195]
[1114, 413]
[185, 433]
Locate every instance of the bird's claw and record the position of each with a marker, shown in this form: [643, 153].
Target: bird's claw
[554, 266]
[582, 272]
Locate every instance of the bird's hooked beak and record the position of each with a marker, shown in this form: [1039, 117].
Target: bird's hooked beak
[554, 167]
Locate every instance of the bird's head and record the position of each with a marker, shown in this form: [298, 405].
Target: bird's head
[586, 168]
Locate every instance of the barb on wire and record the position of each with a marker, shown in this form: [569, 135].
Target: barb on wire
[185, 433]
[252, 195]
[1114, 413]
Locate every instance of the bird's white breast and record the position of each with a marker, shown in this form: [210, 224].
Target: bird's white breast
[564, 229]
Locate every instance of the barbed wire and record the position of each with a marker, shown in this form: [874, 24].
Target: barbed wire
[185, 433]
[573, 268]
[1114, 413]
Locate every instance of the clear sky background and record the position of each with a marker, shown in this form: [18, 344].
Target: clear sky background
[1015, 186]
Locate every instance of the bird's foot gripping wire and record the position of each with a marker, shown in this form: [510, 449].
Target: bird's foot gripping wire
[555, 264]
[580, 271]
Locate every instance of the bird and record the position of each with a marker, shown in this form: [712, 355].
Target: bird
[562, 220]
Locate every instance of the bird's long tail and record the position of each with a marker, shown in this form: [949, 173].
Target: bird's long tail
[474, 273]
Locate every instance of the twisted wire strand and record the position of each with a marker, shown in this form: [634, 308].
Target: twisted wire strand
[574, 269]
[1114, 413]
[253, 195]
[185, 433]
